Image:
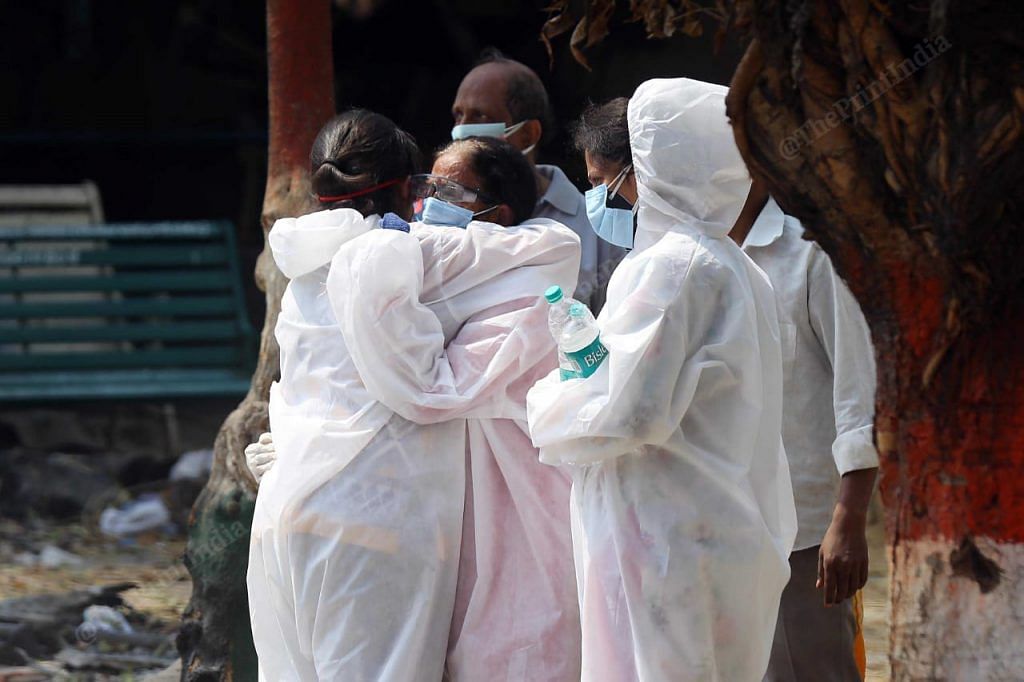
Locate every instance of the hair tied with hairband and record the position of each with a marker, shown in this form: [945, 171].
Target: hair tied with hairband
[359, 193]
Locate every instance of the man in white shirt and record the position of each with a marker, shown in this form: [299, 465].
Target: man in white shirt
[502, 90]
[827, 424]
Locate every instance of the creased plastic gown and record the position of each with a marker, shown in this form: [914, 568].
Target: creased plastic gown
[683, 513]
[516, 617]
[357, 531]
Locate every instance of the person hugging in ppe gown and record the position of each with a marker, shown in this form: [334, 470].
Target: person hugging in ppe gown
[356, 536]
[683, 513]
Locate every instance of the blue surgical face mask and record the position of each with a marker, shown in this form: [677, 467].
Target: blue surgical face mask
[437, 212]
[613, 219]
[498, 130]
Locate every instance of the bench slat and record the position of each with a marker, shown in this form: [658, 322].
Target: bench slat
[177, 331]
[198, 306]
[207, 356]
[113, 376]
[130, 256]
[144, 281]
[182, 281]
[163, 230]
[137, 384]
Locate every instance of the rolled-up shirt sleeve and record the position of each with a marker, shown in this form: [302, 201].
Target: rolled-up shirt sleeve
[839, 324]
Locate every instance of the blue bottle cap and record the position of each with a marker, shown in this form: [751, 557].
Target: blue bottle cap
[553, 294]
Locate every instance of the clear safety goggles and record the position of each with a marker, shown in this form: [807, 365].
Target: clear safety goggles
[427, 185]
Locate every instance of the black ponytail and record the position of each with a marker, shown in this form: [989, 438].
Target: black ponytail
[356, 151]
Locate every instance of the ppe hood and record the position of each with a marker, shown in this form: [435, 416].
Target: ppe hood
[301, 245]
[689, 173]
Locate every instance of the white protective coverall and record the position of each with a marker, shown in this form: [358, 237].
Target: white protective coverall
[683, 513]
[516, 616]
[357, 530]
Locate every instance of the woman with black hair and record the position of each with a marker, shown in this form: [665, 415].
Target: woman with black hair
[601, 134]
[361, 160]
[356, 534]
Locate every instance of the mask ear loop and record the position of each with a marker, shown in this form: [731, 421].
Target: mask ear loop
[619, 179]
[513, 128]
[486, 210]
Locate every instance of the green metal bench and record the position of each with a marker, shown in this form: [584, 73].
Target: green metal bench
[122, 311]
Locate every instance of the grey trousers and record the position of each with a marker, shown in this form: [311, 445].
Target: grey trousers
[812, 643]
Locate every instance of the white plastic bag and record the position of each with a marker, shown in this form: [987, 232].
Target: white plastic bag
[138, 516]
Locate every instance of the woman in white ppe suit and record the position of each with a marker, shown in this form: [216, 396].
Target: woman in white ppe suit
[516, 617]
[683, 511]
[357, 531]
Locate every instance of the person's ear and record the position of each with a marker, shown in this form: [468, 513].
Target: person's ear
[504, 215]
[534, 131]
[403, 192]
[529, 135]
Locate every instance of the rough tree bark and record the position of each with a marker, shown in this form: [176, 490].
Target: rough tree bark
[215, 642]
[893, 130]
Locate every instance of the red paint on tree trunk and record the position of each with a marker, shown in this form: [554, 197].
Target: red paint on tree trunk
[215, 642]
[918, 301]
[301, 80]
[963, 441]
[914, 190]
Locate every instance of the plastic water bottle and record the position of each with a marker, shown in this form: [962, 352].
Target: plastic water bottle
[558, 316]
[580, 351]
[581, 341]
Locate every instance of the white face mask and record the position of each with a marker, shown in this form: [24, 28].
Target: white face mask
[498, 130]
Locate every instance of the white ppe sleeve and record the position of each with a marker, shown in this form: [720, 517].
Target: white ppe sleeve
[839, 324]
[641, 392]
[376, 285]
[299, 244]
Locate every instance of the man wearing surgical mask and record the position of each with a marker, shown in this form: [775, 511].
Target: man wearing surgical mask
[503, 98]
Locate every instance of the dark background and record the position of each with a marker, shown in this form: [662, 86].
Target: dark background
[163, 104]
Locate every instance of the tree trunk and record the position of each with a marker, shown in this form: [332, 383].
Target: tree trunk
[893, 130]
[215, 642]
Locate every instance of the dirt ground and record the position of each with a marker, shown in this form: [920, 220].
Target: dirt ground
[154, 563]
